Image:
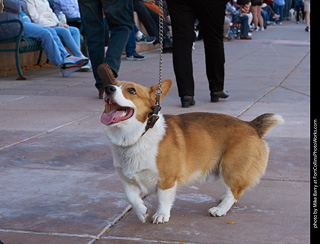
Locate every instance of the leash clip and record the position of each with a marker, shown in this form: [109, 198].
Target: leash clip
[153, 117]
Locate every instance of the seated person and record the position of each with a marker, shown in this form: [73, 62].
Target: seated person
[136, 36]
[271, 16]
[150, 20]
[1, 6]
[50, 41]
[41, 13]
[243, 17]
[70, 8]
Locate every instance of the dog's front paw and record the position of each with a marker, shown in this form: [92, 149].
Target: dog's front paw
[160, 218]
[142, 214]
[216, 212]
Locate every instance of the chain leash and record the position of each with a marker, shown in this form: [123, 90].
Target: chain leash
[159, 91]
[154, 115]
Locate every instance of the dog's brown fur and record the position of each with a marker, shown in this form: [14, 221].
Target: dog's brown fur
[208, 143]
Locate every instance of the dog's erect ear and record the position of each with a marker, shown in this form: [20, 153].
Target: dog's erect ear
[106, 75]
[165, 87]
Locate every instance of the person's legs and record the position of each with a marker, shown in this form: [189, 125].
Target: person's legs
[211, 16]
[146, 18]
[92, 19]
[244, 25]
[120, 19]
[298, 13]
[131, 44]
[281, 14]
[255, 16]
[307, 14]
[260, 19]
[286, 9]
[276, 11]
[226, 26]
[44, 34]
[75, 33]
[182, 18]
[265, 18]
[68, 40]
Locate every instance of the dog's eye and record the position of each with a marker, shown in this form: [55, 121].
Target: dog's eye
[132, 91]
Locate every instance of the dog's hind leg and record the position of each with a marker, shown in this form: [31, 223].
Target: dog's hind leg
[224, 206]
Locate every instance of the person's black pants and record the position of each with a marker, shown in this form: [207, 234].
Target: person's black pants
[149, 19]
[210, 14]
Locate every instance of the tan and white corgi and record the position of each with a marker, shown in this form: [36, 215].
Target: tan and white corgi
[180, 149]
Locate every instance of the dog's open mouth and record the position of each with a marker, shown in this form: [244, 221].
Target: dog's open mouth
[114, 113]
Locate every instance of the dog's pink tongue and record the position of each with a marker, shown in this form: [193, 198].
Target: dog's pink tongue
[111, 117]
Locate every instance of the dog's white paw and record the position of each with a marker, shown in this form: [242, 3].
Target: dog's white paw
[160, 218]
[216, 212]
[142, 214]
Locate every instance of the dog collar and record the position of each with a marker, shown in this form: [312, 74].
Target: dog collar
[152, 117]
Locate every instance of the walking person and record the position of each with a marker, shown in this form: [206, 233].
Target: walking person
[307, 14]
[256, 6]
[211, 15]
[119, 15]
[278, 9]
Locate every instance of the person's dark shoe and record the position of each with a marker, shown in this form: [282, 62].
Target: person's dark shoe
[245, 37]
[187, 101]
[216, 95]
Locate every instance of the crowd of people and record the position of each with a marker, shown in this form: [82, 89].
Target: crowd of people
[256, 15]
[109, 28]
[43, 22]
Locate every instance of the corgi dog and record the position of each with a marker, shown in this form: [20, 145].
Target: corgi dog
[180, 149]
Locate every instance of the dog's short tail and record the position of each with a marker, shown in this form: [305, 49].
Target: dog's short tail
[265, 122]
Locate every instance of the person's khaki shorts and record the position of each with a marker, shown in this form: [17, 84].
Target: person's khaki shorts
[306, 5]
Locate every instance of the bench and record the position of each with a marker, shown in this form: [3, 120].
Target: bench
[21, 45]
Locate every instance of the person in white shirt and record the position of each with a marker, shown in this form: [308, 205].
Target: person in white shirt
[41, 13]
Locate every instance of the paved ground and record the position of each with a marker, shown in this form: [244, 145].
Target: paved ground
[58, 183]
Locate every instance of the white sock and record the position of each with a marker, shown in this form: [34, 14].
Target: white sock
[139, 35]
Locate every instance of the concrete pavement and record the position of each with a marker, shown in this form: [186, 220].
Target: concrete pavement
[58, 183]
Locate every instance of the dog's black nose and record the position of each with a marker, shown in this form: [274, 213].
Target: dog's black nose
[110, 89]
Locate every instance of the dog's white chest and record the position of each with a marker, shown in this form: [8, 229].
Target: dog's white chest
[137, 163]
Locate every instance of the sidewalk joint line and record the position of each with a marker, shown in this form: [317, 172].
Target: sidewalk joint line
[111, 225]
[289, 89]
[274, 88]
[47, 233]
[48, 131]
[106, 229]
[144, 240]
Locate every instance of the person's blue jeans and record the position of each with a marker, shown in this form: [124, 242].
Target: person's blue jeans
[287, 7]
[120, 20]
[50, 41]
[131, 45]
[265, 17]
[71, 38]
[244, 24]
[278, 10]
